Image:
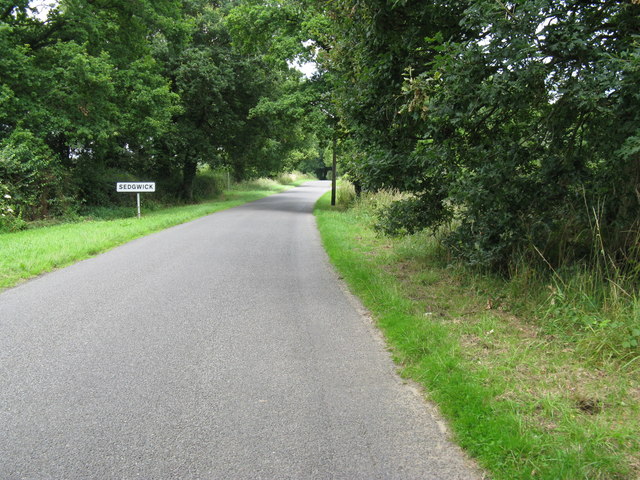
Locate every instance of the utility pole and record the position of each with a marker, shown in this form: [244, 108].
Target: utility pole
[334, 169]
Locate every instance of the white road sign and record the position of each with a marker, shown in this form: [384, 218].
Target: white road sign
[136, 187]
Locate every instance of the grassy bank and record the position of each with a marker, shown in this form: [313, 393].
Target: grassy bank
[525, 400]
[31, 252]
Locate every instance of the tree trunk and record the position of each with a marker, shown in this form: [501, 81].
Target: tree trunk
[189, 169]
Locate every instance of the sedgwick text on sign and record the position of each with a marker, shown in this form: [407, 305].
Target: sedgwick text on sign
[136, 187]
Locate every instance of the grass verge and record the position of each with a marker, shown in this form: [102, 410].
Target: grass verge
[525, 403]
[29, 253]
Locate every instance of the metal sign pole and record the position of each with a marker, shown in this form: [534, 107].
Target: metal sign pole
[138, 195]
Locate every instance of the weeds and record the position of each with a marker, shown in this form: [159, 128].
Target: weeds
[345, 194]
[593, 305]
[538, 372]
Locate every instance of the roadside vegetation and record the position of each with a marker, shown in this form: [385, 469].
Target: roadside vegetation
[95, 92]
[509, 133]
[42, 247]
[538, 372]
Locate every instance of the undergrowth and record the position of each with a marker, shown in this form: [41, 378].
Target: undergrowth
[538, 372]
[593, 304]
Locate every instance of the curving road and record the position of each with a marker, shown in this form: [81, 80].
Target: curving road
[224, 348]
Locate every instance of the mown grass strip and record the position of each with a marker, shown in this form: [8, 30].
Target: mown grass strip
[29, 253]
[505, 418]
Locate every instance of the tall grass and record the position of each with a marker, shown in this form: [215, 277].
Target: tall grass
[292, 178]
[537, 372]
[210, 183]
[593, 304]
[345, 194]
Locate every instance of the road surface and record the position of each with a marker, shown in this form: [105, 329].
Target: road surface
[223, 348]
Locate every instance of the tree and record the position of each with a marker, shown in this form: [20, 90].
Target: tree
[228, 114]
[476, 108]
[537, 107]
[83, 82]
[298, 111]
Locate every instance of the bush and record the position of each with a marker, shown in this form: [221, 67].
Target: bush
[291, 177]
[345, 194]
[209, 183]
[97, 184]
[9, 221]
[32, 178]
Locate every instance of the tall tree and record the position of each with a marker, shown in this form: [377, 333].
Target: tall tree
[83, 82]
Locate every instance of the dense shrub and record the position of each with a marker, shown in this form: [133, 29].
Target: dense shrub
[9, 220]
[209, 183]
[31, 176]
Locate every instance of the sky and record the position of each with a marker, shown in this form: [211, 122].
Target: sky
[307, 68]
[42, 7]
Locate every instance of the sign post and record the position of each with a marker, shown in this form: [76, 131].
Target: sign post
[334, 170]
[137, 188]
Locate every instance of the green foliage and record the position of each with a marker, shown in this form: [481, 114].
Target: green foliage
[83, 86]
[550, 393]
[513, 123]
[345, 195]
[297, 112]
[115, 89]
[516, 120]
[30, 176]
[209, 183]
[409, 215]
[267, 27]
[600, 316]
[97, 184]
[291, 178]
[9, 220]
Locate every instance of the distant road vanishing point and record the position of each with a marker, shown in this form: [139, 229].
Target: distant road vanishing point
[224, 348]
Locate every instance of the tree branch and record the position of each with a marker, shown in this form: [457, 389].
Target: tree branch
[42, 39]
[7, 12]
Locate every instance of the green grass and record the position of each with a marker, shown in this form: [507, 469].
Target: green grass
[526, 404]
[29, 253]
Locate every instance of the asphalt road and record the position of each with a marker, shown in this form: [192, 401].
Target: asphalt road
[219, 349]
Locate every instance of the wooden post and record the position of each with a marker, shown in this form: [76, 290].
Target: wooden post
[334, 169]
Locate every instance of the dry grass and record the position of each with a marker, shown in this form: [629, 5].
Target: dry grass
[539, 376]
